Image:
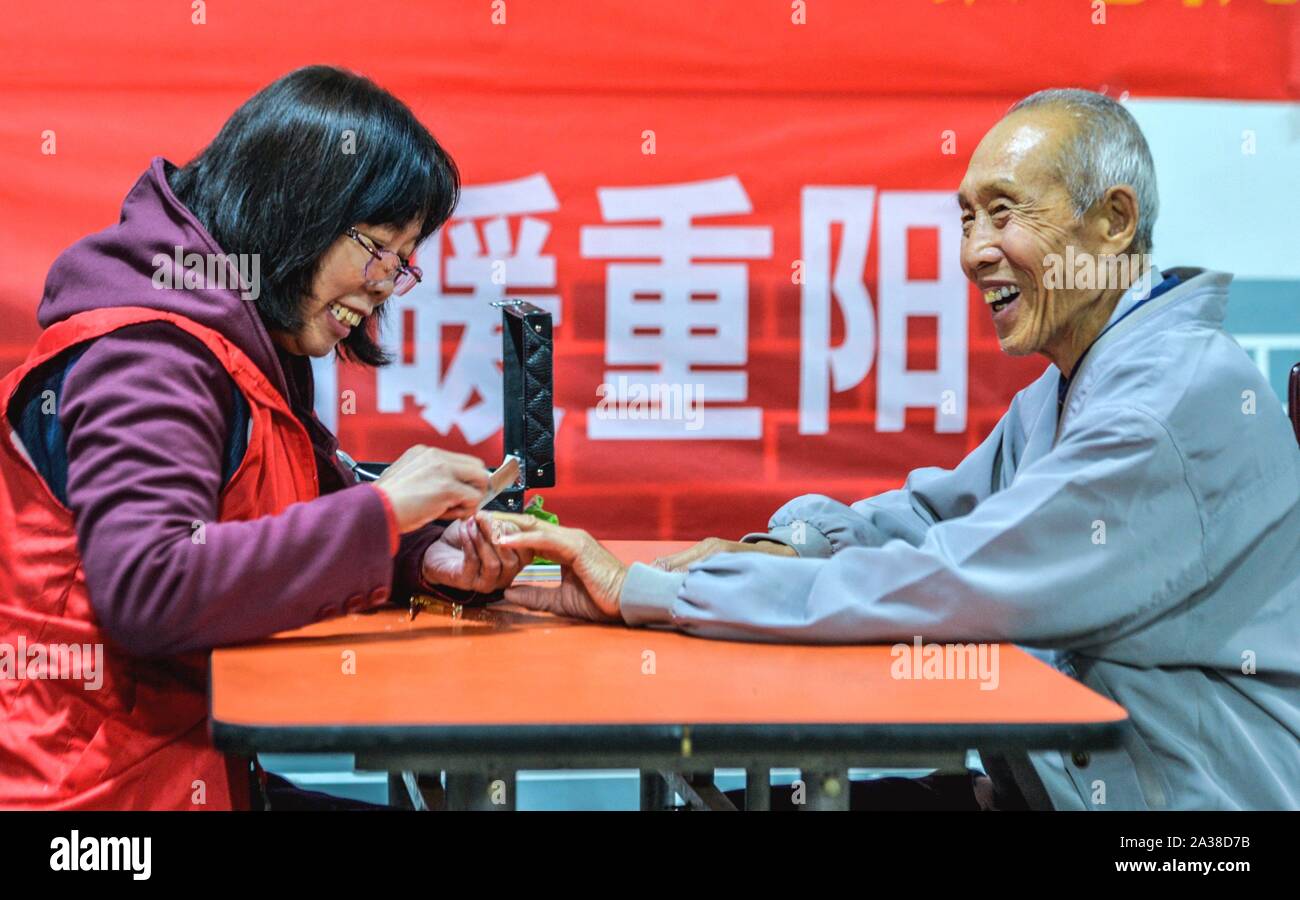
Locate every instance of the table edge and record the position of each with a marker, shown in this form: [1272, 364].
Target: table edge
[714, 739]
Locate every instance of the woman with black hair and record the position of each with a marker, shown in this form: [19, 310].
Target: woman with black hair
[165, 486]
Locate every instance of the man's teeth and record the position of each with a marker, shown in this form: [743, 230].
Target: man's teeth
[345, 315]
[999, 297]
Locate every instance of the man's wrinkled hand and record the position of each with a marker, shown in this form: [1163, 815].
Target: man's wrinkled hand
[680, 562]
[592, 577]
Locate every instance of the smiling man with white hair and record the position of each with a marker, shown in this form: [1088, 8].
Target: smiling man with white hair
[1134, 517]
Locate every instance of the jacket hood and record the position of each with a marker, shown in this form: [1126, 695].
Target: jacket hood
[132, 263]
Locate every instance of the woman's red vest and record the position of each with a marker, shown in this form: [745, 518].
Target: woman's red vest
[140, 741]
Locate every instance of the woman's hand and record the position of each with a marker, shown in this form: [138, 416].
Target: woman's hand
[680, 562]
[466, 557]
[427, 483]
[592, 577]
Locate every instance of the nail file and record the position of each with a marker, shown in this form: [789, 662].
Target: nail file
[538, 572]
[505, 476]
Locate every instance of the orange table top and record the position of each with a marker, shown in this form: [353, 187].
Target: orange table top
[502, 673]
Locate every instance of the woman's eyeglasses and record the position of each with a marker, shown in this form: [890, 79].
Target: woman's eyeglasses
[385, 265]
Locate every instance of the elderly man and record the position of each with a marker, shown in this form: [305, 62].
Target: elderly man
[1134, 517]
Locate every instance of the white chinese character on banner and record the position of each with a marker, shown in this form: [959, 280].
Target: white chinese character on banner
[822, 367]
[944, 297]
[484, 265]
[674, 313]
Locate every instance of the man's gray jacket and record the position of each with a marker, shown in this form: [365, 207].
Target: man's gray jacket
[1147, 543]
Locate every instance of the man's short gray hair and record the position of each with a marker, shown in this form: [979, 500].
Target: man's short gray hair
[1106, 149]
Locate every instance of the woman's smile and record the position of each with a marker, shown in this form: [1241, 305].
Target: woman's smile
[342, 319]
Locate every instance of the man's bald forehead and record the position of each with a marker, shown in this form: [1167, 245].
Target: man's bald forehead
[1030, 132]
[1023, 146]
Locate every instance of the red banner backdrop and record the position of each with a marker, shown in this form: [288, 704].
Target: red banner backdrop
[748, 202]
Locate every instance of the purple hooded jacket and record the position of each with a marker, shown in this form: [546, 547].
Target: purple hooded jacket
[147, 412]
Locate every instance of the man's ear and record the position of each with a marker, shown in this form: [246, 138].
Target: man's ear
[1115, 219]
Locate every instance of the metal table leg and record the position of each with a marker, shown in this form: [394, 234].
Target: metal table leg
[411, 790]
[699, 791]
[403, 792]
[654, 791]
[758, 790]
